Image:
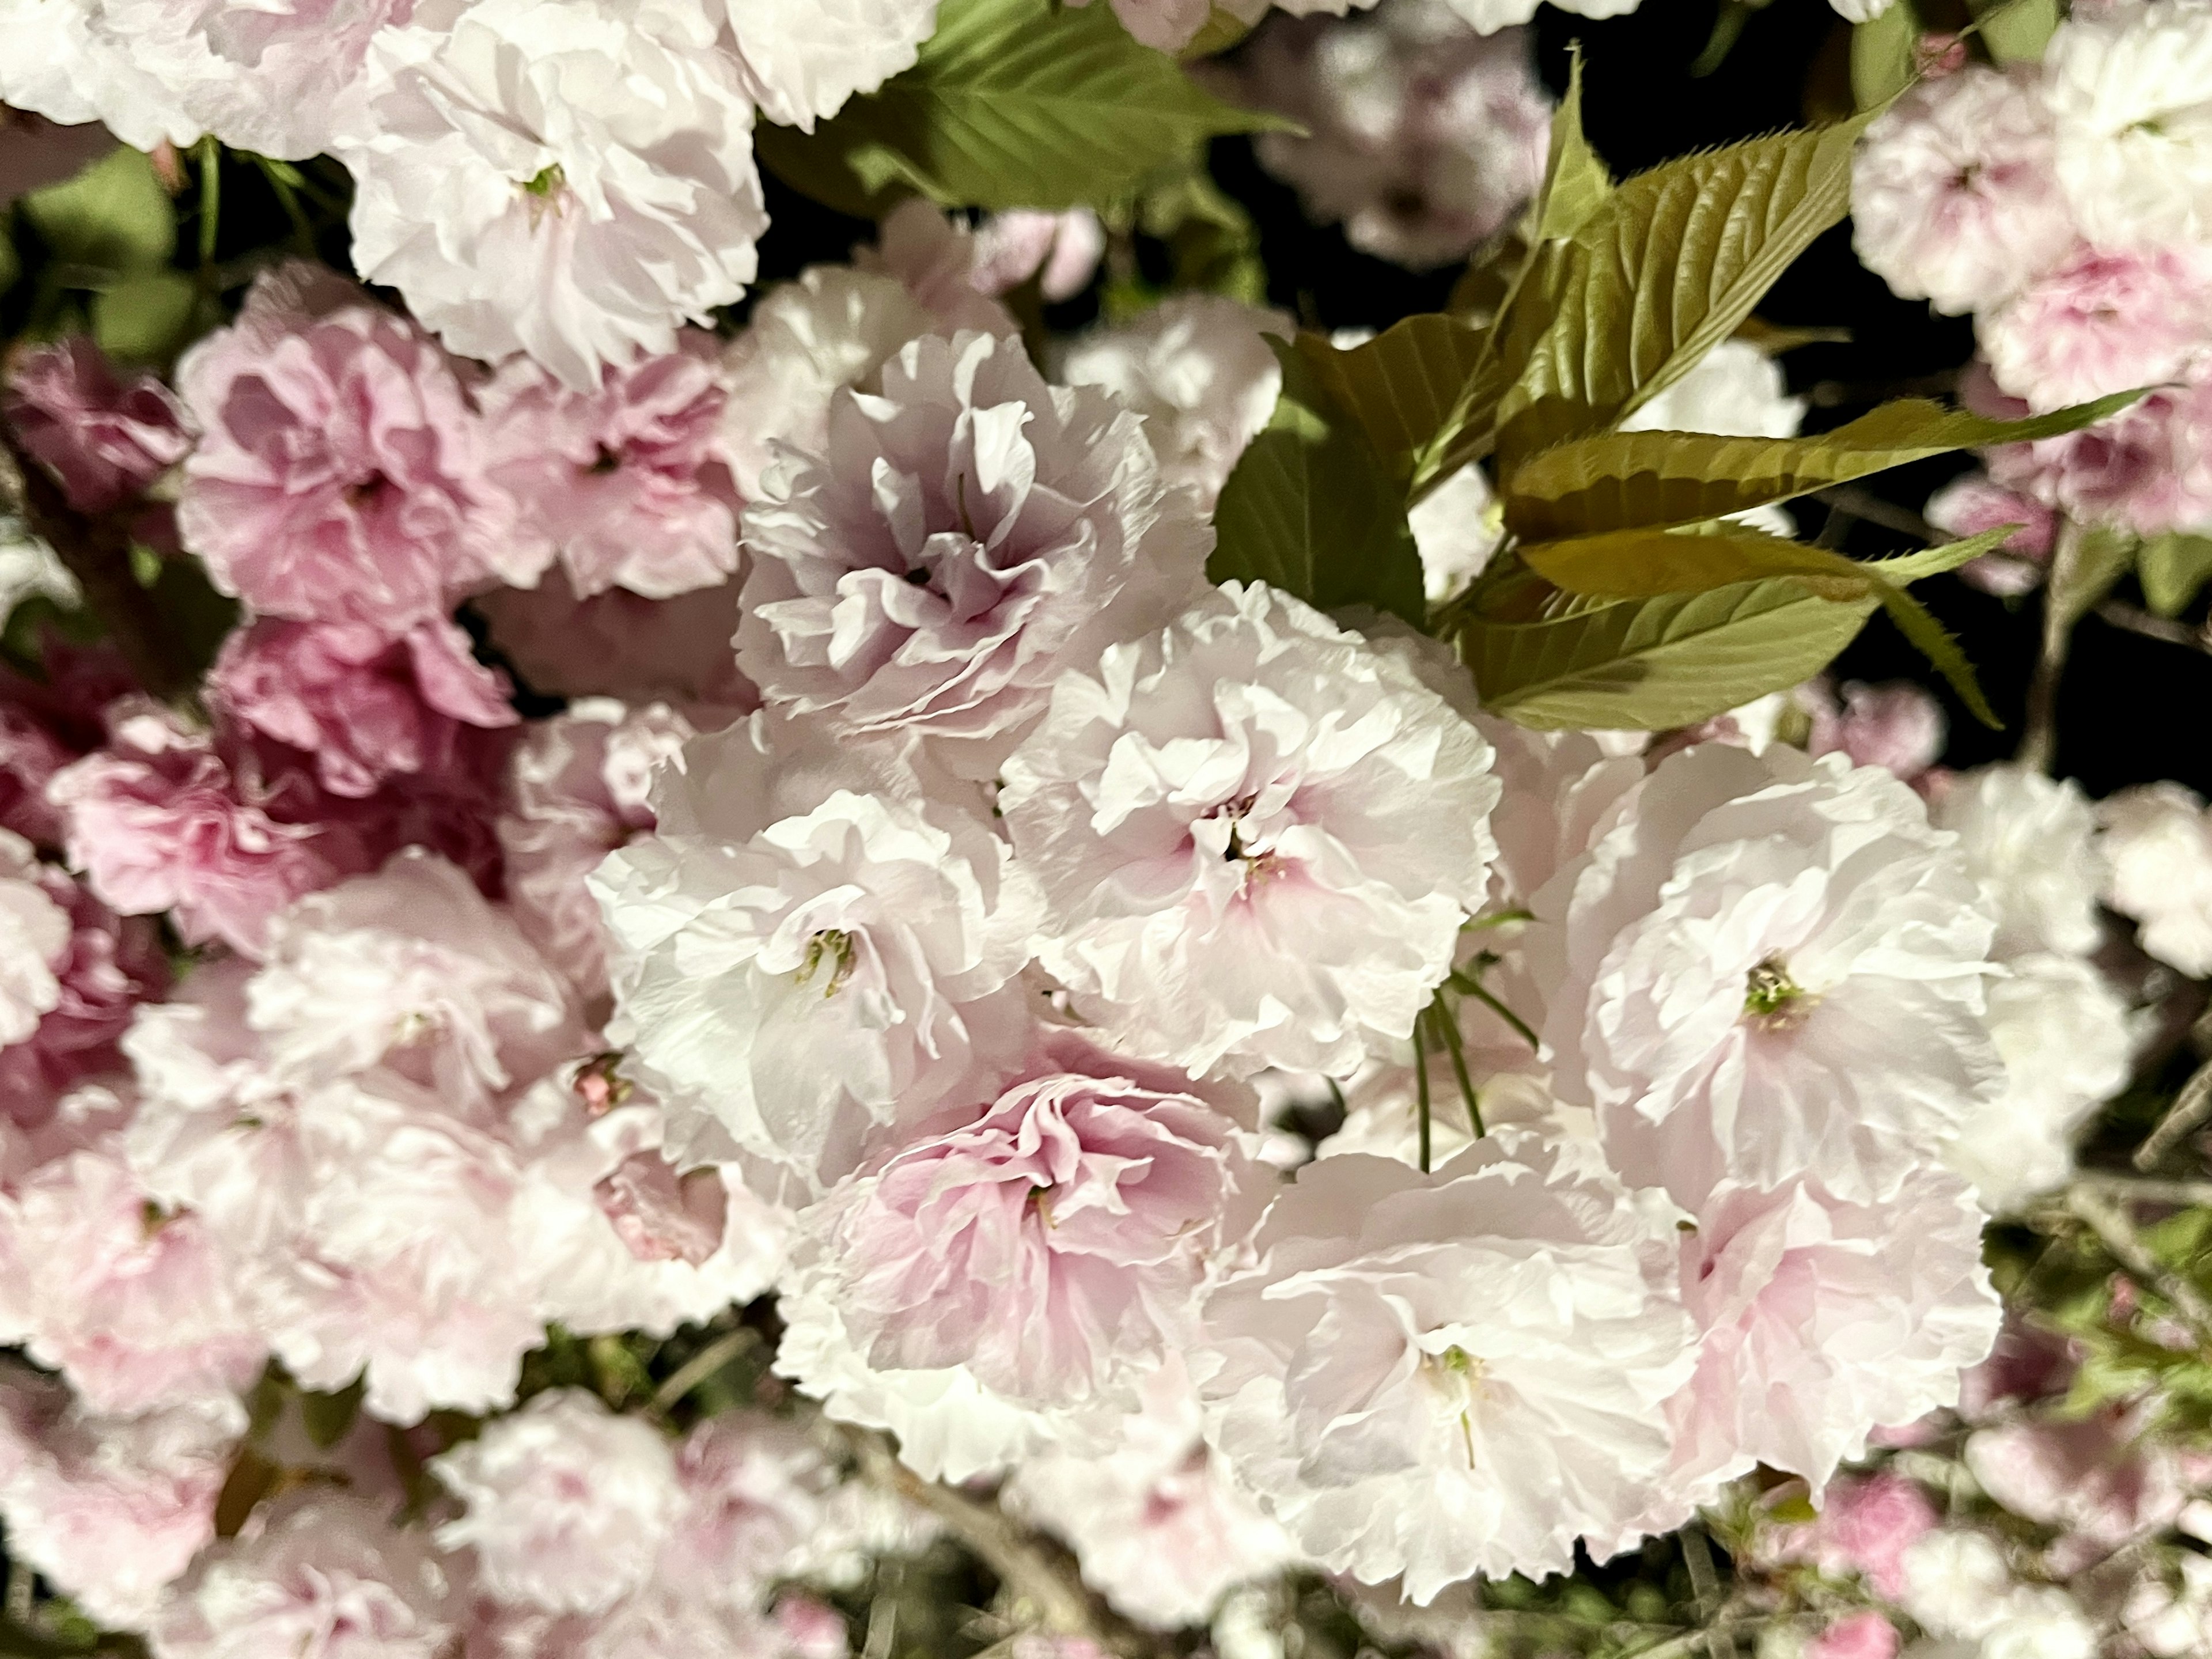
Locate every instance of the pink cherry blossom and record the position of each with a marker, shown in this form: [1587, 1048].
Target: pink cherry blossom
[2102, 322]
[1061, 249]
[1857, 1635]
[103, 968]
[133, 1304]
[2148, 469]
[1050, 1245]
[626, 484]
[1866, 1524]
[1896, 726]
[105, 437]
[340, 474]
[1974, 503]
[167, 819]
[111, 1511]
[367, 706]
[46, 723]
[576, 791]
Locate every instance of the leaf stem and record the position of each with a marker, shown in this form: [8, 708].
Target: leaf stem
[1448, 1027]
[1421, 1080]
[2038, 745]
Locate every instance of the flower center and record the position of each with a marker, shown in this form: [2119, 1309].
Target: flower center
[834, 946]
[548, 181]
[1458, 1375]
[1772, 999]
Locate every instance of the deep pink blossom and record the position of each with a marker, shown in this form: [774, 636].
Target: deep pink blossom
[105, 439]
[626, 483]
[1973, 504]
[365, 706]
[167, 819]
[108, 967]
[1866, 1526]
[340, 473]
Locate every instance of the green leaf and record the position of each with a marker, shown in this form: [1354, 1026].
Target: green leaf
[115, 217]
[144, 319]
[1576, 182]
[2016, 30]
[1310, 508]
[1670, 268]
[1676, 658]
[1619, 479]
[1402, 385]
[11, 267]
[2172, 568]
[1011, 103]
[328, 1418]
[1884, 50]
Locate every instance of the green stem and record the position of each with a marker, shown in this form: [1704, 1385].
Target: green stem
[1450, 1029]
[210, 154]
[1421, 1080]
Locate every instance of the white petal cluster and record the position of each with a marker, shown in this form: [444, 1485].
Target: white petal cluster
[2130, 91]
[808, 949]
[1436, 1376]
[1770, 965]
[2157, 840]
[1258, 837]
[569, 178]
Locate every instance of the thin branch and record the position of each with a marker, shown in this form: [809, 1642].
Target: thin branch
[2128, 1189]
[2039, 746]
[2190, 1109]
[1041, 1584]
[702, 1365]
[2136, 620]
[1862, 503]
[2119, 1237]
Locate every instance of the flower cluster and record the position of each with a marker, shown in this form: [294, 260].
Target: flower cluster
[2064, 205]
[671, 971]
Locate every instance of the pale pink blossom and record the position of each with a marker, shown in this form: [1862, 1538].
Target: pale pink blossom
[1896, 726]
[2102, 322]
[1061, 249]
[808, 949]
[834, 328]
[2029, 841]
[626, 483]
[1954, 196]
[1438, 1374]
[1157, 1526]
[1820, 1320]
[570, 179]
[1866, 1524]
[1421, 134]
[2103, 1479]
[133, 1304]
[164, 819]
[410, 969]
[109, 1510]
[2157, 843]
[319, 1574]
[1217, 818]
[621, 645]
[799, 60]
[755, 1493]
[366, 705]
[107, 439]
[1052, 1245]
[1198, 369]
[577, 789]
[967, 537]
[566, 1505]
[339, 475]
[1769, 965]
[1974, 503]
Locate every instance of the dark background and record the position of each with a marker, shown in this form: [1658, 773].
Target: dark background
[2131, 709]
